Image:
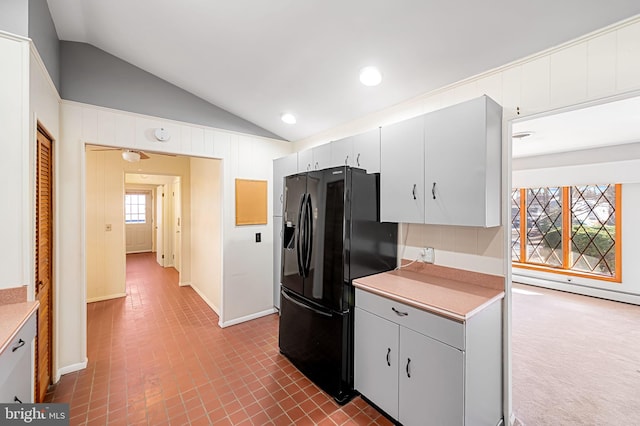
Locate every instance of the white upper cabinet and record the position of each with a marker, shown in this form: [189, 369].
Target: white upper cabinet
[282, 167]
[321, 157]
[305, 160]
[342, 152]
[462, 164]
[402, 171]
[366, 151]
[450, 161]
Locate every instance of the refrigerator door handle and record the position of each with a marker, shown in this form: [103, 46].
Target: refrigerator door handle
[300, 240]
[302, 305]
[309, 234]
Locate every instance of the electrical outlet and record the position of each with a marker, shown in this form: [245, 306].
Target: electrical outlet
[428, 255]
[258, 237]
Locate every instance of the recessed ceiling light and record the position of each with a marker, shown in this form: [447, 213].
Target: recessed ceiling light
[288, 118]
[370, 76]
[521, 135]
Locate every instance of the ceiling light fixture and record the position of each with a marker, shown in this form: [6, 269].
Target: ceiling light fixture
[131, 156]
[288, 118]
[370, 76]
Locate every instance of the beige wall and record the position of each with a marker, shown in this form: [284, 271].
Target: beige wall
[206, 230]
[106, 250]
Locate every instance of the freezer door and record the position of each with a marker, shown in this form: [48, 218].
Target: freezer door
[324, 283]
[292, 265]
[318, 343]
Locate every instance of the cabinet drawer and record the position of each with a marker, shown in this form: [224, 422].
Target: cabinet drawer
[20, 346]
[442, 329]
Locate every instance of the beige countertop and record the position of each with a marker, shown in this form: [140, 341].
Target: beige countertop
[12, 317]
[438, 290]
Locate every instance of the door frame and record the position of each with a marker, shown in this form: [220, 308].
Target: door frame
[53, 375]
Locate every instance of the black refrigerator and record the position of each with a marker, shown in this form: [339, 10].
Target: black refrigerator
[331, 235]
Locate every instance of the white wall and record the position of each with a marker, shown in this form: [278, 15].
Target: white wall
[246, 291]
[206, 228]
[15, 191]
[598, 65]
[625, 172]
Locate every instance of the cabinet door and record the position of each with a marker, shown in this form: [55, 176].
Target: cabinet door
[277, 259]
[305, 160]
[376, 360]
[321, 157]
[366, 151]
[462, 165]
[342, 152]
[282, 167]
[431, 389]
[402, 172]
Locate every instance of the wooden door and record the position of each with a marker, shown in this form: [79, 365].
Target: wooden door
[44, 262]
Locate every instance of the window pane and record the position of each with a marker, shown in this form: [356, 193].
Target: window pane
[135, 206]
[593, 229]
[544, 226]
[515, 225]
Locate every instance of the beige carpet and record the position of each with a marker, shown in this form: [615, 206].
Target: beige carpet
[576, 359]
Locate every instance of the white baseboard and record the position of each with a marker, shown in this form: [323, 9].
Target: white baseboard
[70, 369]
[187, 284]
[247, 318]
[139, 251]
[109, 297]
[578, 289]
[206, 300]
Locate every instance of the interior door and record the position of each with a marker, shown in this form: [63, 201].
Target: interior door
[44, 262]
[177, 224]
[160, 225]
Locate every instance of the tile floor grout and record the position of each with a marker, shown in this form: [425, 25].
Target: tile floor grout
[158, 357]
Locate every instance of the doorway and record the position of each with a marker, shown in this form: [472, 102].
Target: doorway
[44, 262]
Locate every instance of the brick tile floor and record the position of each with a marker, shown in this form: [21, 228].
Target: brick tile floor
[158, 357]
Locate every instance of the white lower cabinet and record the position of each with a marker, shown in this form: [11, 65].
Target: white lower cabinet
[431, 389]
[16, 366]
[376, 352]
[424, 369]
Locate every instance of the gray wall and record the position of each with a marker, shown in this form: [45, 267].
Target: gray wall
[43, 33]
[93, 76]
[14, 17]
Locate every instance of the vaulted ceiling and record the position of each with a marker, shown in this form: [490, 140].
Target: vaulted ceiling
[258, 59]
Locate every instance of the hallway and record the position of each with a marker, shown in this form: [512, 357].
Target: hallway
[158, 357]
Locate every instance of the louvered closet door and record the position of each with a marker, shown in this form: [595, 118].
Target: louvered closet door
[44, 290]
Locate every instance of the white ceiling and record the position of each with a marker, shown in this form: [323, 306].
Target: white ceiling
[608, 124]
[259, 58]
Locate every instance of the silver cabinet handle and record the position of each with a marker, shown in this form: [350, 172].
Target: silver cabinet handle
[316, 166]
[414, 192]
[399, 313]
[408, 372]
[281, 196]
[308, 166]
[346, 161]
[388, 353]
[433, 190]
[358, 160]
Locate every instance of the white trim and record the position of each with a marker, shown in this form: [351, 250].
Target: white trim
[139, 251]
[578, 289]
[108, 297]
[70, 369]
[247, 318]
[12, 36]
[205, 298]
